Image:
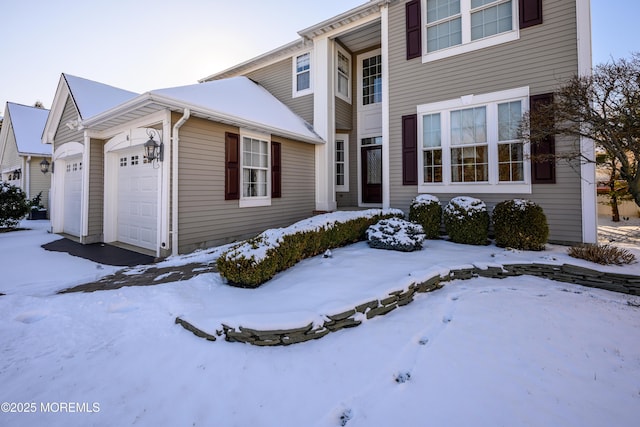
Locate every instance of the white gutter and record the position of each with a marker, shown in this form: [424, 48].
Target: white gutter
[27, 176]
[175, 139]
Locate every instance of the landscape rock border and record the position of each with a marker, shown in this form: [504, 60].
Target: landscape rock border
[566, 273]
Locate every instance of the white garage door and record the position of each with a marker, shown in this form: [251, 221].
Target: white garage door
[137, 200]
[72, 195]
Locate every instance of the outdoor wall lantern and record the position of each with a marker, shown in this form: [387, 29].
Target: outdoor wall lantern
[153, 151]
[44, 166]
[17, 173]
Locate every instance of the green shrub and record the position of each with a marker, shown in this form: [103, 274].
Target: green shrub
[396, 234]
[602, 254]
[425, 210]
[250, 263]
[520, 224]
[466, 220]
[13, 205]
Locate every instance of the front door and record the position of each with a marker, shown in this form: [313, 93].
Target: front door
[370, 126]
[371, 156]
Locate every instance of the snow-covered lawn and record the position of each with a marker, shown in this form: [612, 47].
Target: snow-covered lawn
[514, 352]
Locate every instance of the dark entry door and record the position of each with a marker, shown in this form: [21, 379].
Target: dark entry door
[371, 174]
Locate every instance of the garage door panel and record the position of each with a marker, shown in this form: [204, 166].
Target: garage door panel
[72, 195]
[137, 200]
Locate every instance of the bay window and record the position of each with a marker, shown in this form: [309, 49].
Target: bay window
[473, 142]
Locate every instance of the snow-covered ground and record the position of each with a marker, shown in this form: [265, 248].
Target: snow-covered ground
[514, 352]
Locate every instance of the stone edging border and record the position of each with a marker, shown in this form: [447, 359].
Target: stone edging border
[567, 273]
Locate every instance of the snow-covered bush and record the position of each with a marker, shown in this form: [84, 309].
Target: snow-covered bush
[250, 263]
[466, 220]
[520, 224]
[425, 210]
[13, 205]
[396, 234]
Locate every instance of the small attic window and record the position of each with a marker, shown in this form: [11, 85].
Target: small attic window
[302, 74]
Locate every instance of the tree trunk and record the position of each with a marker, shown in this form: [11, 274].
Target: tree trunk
[634, 188]
[615, 212]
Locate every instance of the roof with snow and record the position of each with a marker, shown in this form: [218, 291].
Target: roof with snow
[28, 124]
[92, 98]
[238, 101]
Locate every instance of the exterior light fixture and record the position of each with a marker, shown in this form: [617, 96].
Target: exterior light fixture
[17, 173]
[44, 166]
[153, 151]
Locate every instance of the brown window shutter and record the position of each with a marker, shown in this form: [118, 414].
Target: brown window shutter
[232, 166]
[414, 29]
[276, 170]
[530, 13]
[410, 150]
[543, 171]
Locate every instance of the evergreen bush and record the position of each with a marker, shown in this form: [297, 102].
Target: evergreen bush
[520, 224]
[396, 234]
[13, 205]
[426, 210]
[466, 220]
[250, 263]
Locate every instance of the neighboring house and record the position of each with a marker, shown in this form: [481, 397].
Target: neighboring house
[424, 96]
[22, 151]
[231, 162]
[367, 109]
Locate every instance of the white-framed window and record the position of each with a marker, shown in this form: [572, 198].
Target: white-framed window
[458, 26]
[471, 144]
[343, 75]
[342, 162]
[255, 178]
[302, 74]
[372, 80]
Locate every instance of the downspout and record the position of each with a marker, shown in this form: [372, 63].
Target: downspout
[27, 176]
[175, 139]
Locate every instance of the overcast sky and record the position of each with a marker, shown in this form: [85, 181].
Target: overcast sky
[142, 45]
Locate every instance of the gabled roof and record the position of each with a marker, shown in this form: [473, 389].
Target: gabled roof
[89, 97]
[92, 97]
[326, 26]
[237, 101]
[274, 55]
[28, 124]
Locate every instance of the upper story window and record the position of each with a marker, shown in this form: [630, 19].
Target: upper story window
[343, 75]
[372, 80]
[302, 74]
[472, 143]
[459, 26]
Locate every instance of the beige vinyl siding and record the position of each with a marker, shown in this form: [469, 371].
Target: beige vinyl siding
[95, 232]
[344, 124]
[9, 155]
[278, 80]
[543, 57]
[39, 181]
[350, 199]
[344, 115]
[206, 218]
[63, 133]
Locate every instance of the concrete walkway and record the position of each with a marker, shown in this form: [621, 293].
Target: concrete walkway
[625, 234]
